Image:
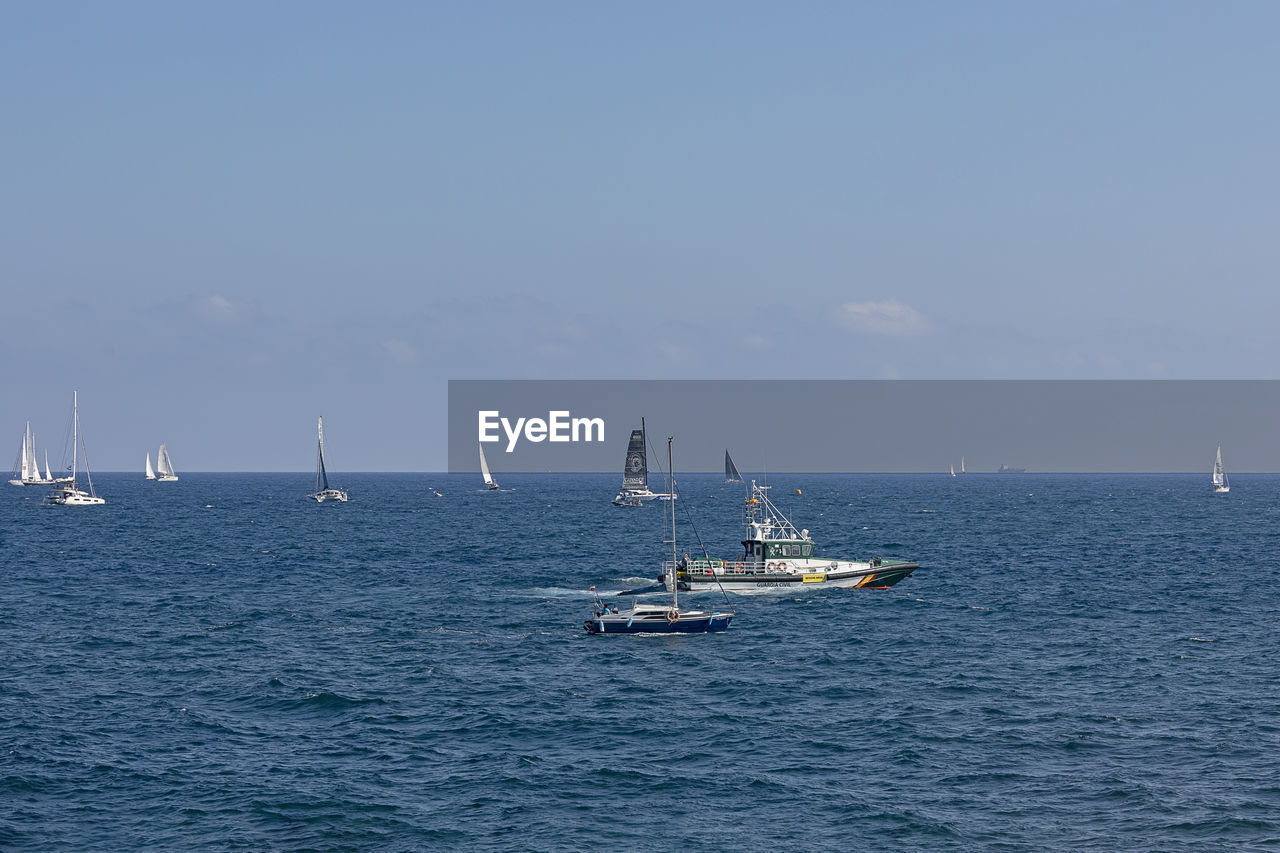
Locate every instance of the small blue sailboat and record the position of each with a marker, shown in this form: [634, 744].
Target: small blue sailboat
[642, 618]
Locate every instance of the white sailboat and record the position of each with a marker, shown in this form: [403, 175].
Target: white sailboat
[151, 474]
[961, 464]
[26, 471]
[484, 471]
[324, 492]
[164, 466]
[70, 494]
[1220, 483]
[953, 470]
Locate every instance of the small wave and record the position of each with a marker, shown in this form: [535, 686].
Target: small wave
[1200, 639]
[327, 700]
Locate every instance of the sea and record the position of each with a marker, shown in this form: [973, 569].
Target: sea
[1084, 662]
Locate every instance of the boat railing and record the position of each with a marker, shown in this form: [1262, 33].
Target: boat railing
[702, 567]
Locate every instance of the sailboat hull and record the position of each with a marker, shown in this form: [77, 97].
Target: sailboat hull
[634, 498]
[330, 495]
[658, 623]
[73, 497]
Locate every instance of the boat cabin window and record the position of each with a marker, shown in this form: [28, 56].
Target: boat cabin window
[808, 550]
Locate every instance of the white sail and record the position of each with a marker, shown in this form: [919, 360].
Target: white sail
[961, 464]
[24, 468]
[164, 465]
[151, 475]
[48, 475]
[953, 470]
[33, 468]
[484, 468]
[1220, 483]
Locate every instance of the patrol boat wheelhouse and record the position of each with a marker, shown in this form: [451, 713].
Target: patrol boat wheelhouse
[777, 556]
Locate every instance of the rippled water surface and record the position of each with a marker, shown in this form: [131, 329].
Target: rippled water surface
[1086, 662]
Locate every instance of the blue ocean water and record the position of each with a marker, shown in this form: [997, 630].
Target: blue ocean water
[1083, 662]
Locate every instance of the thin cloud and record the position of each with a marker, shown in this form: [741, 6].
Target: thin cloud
[217, 308]
[400, 351]
[886, 317]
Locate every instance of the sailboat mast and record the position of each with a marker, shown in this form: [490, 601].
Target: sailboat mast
[671, 499]
[75, 433]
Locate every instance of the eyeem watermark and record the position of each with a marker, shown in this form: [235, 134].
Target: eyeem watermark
[558, 426]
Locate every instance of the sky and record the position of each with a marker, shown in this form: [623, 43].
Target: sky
[222, 221]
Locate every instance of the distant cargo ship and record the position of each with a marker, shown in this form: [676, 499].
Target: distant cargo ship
[1005, 469]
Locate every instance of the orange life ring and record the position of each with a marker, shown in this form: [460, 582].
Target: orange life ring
[771, 566]
[782, 566]
[673, 615]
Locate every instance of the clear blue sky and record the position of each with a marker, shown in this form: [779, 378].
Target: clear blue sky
[222, 220]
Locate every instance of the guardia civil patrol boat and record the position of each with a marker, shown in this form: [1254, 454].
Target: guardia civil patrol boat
[776, 556]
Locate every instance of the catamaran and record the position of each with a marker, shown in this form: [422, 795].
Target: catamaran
[777, 556]
[68, 494]
[489, 482]
[1220, 483]
[731, 474]
[324, 492]
[642, 618]
[635, 473]
[26, 469]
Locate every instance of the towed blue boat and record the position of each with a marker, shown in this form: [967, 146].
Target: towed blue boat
[642, 618]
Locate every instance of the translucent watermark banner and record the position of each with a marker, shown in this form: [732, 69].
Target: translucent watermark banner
[881, 426]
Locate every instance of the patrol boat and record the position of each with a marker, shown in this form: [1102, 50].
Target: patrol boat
[777, 556]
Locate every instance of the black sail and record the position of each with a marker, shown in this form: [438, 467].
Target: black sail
[731, 474]
[635, 469]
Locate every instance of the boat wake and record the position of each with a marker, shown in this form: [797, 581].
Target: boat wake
[560, 592]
